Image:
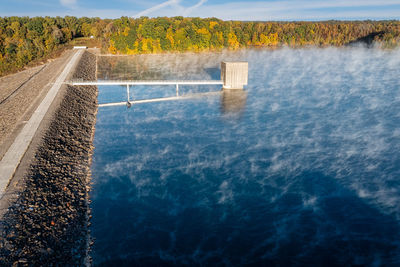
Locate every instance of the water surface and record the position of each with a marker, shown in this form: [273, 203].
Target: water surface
[303, 168]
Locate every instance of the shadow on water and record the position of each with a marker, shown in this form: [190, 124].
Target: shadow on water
[215, 73]
[367, 40]
[334, 228]
[339, 229]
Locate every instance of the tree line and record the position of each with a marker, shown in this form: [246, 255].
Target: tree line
[153, 35]
[23, 39]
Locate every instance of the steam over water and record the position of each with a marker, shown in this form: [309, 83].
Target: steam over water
[304, 169]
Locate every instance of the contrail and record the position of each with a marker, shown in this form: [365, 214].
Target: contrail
[157, 7]
[190, 9]
[69, 3]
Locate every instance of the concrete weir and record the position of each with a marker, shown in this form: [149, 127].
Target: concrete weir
[13, 156]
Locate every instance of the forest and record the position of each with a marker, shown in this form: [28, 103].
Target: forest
[24, 39]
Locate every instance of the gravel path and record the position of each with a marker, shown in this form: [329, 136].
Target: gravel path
[48, 223]
[20, 92]
[9, 83]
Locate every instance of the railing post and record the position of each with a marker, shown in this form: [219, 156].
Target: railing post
[177, 89]
[127, 91]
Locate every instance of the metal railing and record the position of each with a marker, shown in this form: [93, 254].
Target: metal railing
[130, 102]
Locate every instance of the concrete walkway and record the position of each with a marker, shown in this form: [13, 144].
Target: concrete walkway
[15, 153]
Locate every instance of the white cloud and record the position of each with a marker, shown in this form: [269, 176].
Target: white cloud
[69, 3]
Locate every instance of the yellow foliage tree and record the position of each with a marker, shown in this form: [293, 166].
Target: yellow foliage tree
[136, 45]
[203, 31]
[126, 31]
[220, 38]
[49, 44]
[147, 45]
[170, 37]
[157, 46]
[86, 29]
[144, 46]
[269, 39]
[213, 24]
[131, 51]
[233, 41]
[112, 48]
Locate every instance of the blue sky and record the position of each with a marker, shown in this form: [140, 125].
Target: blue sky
[228, 10]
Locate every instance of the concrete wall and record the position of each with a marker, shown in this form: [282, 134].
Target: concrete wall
[234, 74]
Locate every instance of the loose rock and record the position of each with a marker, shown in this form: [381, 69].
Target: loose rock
[48, 224]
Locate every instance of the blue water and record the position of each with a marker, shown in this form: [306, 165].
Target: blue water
[301, 169]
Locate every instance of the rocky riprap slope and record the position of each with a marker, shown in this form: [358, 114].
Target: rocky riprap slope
[48, 224]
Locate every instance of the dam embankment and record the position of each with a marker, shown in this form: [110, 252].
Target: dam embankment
[47, 225]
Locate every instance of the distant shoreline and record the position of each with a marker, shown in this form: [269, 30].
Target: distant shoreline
[24, 40]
